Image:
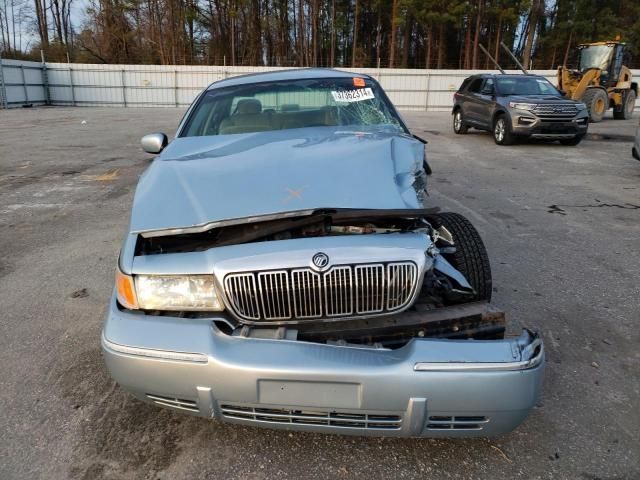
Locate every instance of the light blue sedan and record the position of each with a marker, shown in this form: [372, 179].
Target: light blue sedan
[283, 268]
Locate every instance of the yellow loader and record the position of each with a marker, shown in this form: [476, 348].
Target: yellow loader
[602, 80]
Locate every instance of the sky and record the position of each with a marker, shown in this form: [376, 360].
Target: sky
[26, 30]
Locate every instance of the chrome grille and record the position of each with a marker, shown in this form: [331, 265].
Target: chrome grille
[307, 293]
[369, 288]
[242, 292]
[274, 305]
[556, 110]
[338, 292]
[401, 277]
[312, 417]
[302, 294]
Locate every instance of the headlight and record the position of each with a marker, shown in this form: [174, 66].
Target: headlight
[522, 106]
[177, 292]
[581, 106]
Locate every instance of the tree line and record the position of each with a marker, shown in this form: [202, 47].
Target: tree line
[341, 33]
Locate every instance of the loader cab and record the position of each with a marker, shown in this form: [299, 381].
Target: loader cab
[607, 57]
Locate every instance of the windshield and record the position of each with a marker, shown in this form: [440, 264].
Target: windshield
[530, 85]
[291, 104]
[598, 56]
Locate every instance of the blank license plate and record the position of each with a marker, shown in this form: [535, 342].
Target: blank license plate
[310, 394]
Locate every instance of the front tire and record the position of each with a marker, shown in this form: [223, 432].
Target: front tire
[572, 142]
[597, 102]
[628, 104]
[502, 131]
[459, 127]
[470, 258]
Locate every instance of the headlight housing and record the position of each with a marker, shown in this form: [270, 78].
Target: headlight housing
[168, 292]
[177, 292]
[581, 106]
[523, 106]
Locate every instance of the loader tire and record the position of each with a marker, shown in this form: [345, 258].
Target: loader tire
[597, 102]
[626, 109]
[470, 258]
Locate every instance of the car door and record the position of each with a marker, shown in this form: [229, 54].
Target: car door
[473, 105]
[486, 101]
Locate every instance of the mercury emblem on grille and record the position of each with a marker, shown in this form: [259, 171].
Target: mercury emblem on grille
[320, 260]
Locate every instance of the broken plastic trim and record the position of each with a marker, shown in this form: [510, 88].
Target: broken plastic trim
[535, 348]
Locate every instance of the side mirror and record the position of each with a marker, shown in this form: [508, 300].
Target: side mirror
[563, 93]
[154, 142]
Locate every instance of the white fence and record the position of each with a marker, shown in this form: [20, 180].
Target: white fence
[33, 83]
[22, 83]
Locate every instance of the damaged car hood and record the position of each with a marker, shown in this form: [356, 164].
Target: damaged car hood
[201, 181]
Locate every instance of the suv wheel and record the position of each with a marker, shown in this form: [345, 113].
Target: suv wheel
[459, 126]
[572, 142]
[502, 131]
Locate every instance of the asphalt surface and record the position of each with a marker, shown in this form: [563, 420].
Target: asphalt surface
[562, 228]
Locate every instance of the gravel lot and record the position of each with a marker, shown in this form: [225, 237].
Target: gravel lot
[562, 228]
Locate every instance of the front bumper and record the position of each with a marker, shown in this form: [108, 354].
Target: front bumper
[428, 388]
[529, 125]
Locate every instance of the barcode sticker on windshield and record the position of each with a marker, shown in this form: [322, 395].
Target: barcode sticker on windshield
[353, 95]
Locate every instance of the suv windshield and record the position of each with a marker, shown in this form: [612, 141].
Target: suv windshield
[530, 85]
[291, 104]
[597, 56]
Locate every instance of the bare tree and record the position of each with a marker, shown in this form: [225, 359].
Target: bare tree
[476, 34]
[392, 46]
[41, 17]
[354, 45]
[536, 12]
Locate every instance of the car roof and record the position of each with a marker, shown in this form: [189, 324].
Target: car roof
[288, 74]
[499, 75]
[518, 75]
[475, 76]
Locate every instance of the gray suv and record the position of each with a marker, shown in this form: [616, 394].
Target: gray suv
[513, 106]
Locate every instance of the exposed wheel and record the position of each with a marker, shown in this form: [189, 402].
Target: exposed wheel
[628, 104]
[572, 142]
[597, 102]
[459, 126]
[470, 257]
[502, 131]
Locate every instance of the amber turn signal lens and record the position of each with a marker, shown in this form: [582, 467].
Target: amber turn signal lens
[125, 290]
[358, 82]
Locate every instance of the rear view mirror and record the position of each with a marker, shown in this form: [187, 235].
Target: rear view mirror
[154, 142]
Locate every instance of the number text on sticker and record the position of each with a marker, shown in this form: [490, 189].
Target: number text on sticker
[356, 95]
